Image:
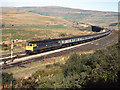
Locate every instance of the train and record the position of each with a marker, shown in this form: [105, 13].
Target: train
[40, 46]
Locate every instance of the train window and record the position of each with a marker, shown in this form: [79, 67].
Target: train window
[58, 41]
[63, 42]
[80, 38]
[30, 44]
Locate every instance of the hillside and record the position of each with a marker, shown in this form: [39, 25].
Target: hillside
[13, 17]
[27, 26]
[84, 16]
[100, 69]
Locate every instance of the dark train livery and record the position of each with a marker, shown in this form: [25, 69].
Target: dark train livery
[38, 46]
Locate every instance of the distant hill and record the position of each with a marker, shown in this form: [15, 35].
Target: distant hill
[83, 16]
[15, 17]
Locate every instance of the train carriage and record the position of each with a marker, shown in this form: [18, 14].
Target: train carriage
[38, 46]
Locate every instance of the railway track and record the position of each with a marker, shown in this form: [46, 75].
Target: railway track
[38, 57]
[8, 54]
[16, 55]
[44, 55]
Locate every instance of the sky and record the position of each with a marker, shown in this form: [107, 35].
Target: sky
[100, 5]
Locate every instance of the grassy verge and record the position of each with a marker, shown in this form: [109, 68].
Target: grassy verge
[30, 68]
[29, 32]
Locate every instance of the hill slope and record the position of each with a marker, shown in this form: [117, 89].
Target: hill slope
[25, 25]
[85, 16]
[13, 17]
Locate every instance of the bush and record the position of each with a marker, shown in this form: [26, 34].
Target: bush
[5, 46]
[48, 66]
[62, 35]
[91, 68]
[7, 79]
[56, 64]
[40, 73]
[97, 70]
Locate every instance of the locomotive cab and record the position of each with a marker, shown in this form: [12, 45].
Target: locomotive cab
[30, 48]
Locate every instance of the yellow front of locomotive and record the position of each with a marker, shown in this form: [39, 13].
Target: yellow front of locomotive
[29, 48]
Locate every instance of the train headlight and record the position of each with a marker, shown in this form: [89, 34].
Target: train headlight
[34, 45]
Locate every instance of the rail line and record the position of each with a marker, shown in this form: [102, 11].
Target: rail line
[38, 57]
[41, 56]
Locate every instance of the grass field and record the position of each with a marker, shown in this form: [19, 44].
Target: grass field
[14, 17]
[24, 25]
[27, 26]
[101, 18]
[29, 32]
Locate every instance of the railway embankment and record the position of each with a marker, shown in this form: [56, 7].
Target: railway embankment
[97, 70]
[82, 49]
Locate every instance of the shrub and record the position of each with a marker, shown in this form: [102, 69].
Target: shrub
[5, 46]
[62, 35]
[103, 65]
[56, 64]
[48, 66]
[40, 73]
[7, 79]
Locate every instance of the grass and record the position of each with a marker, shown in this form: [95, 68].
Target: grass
[86, 16]
[14, 17]
[30, 68]
[29, 32]
[29, 26]
[25, 25]
[20, 34]
[42, 27]
[36, 32]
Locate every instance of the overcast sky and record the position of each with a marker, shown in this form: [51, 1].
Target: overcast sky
[101, 5]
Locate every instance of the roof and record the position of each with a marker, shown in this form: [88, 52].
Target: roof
[50, 40]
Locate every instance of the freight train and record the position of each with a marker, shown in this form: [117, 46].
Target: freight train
[40, 46]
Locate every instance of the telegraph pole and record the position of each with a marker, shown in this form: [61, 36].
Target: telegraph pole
[12, 42]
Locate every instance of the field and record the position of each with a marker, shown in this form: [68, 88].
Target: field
[99, 18]
[14, 17]
[27, 26]
[29, 32]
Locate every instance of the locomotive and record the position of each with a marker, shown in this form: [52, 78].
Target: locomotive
[39, 46]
